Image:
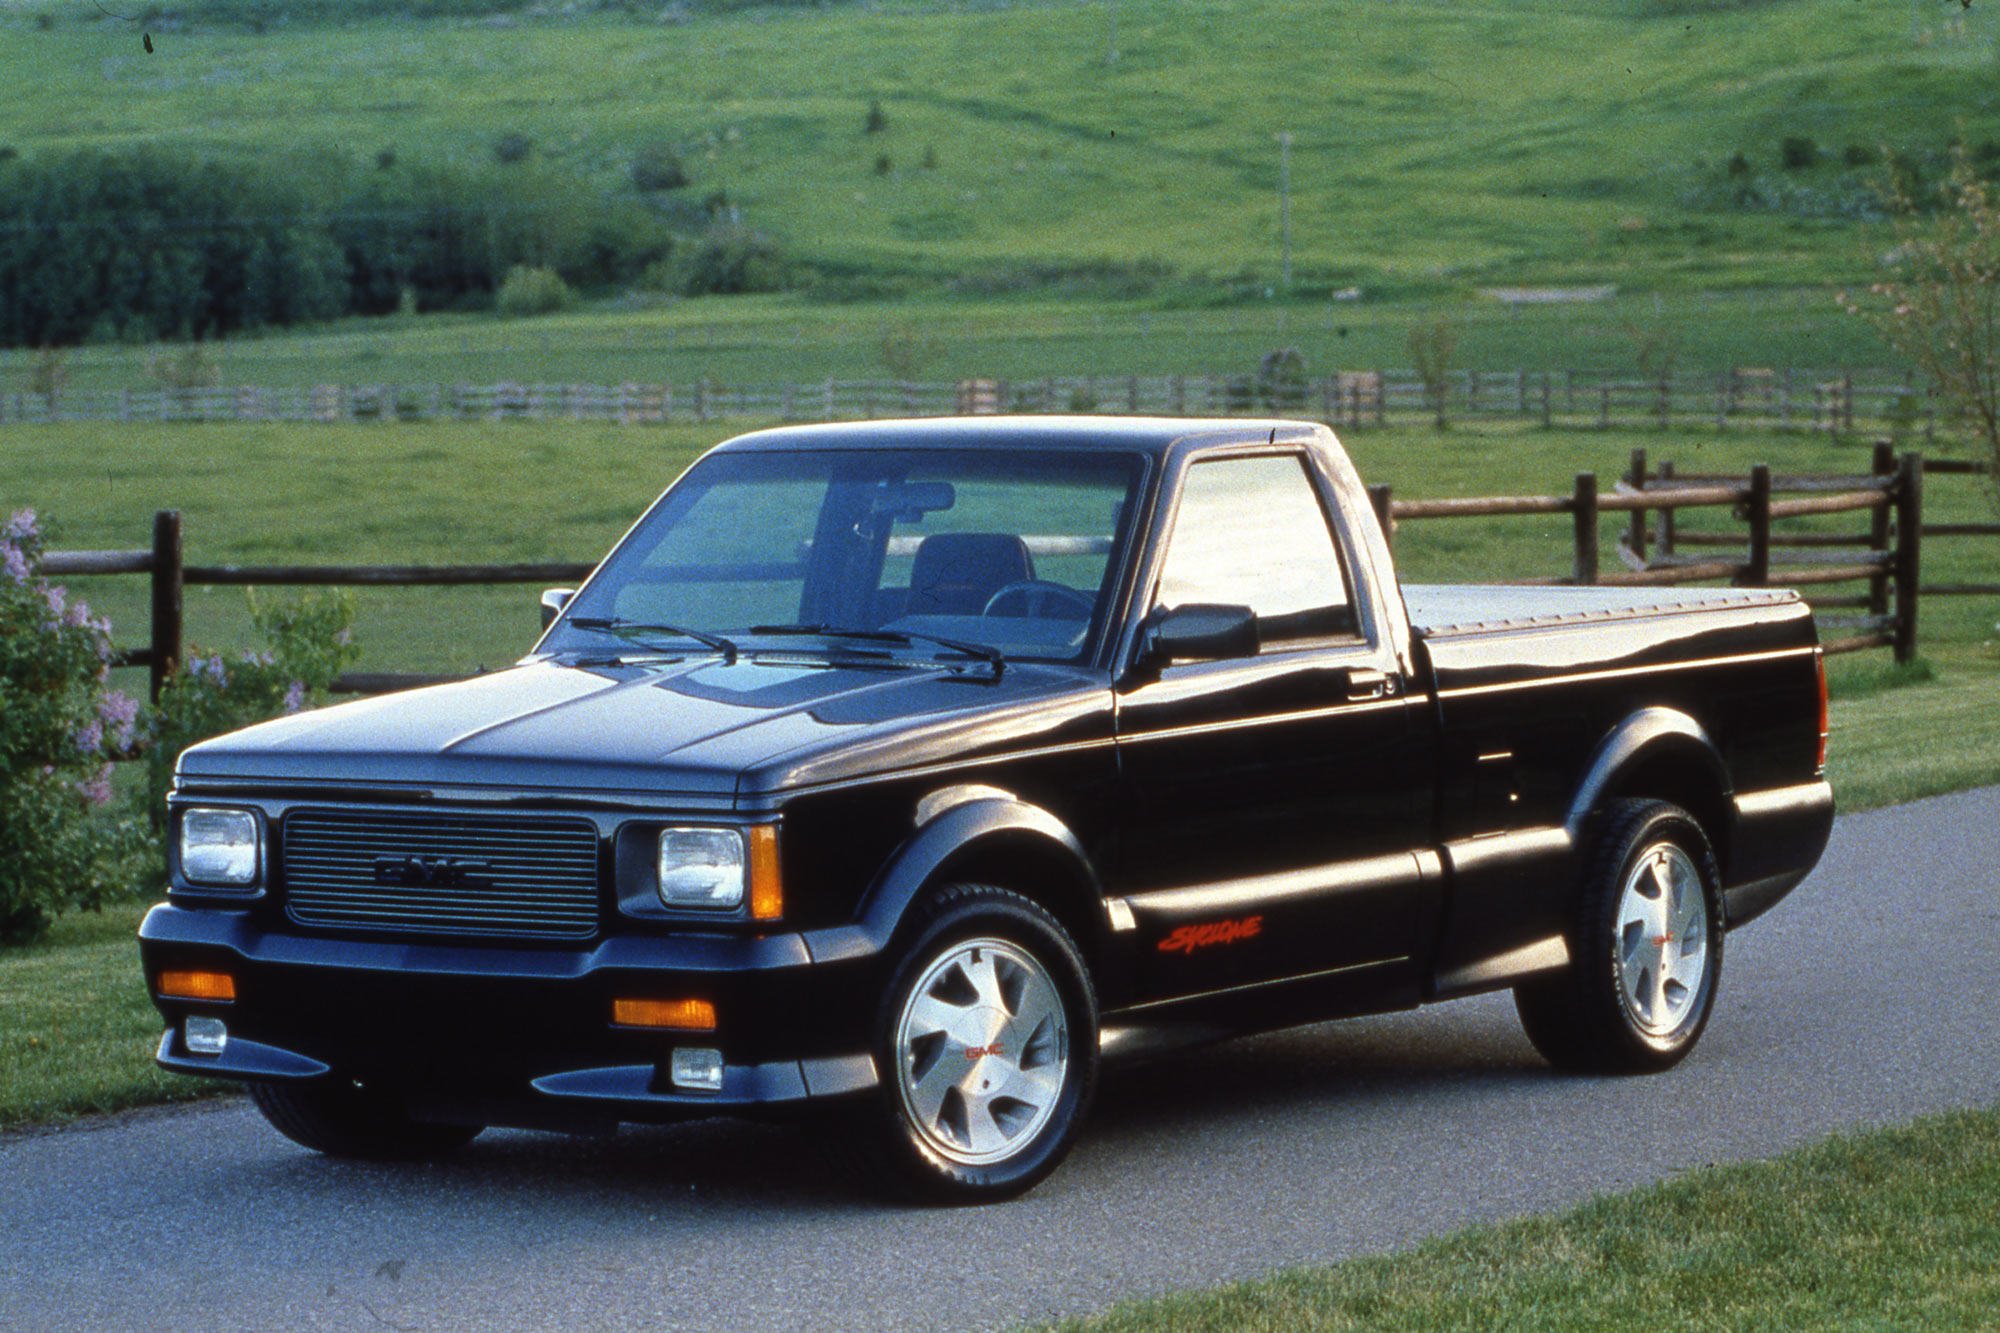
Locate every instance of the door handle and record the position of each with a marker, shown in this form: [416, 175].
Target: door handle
[1364, 683]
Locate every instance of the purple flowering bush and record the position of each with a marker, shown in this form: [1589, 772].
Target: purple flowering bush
[310, 641]
[61, 845]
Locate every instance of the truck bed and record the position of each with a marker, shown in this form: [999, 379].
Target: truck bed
[1440, 610]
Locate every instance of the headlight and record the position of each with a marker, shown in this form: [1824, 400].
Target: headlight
[701, 867]
[219, 847]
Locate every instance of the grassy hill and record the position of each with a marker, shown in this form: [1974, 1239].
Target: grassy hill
[1435, 145]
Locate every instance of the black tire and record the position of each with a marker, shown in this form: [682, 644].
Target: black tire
[342, 1119]
[1631, 1001]
[989, 984]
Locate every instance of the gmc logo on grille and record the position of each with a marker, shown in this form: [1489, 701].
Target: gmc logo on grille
[430, 872]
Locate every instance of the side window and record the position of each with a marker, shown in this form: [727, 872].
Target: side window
[1250, 532]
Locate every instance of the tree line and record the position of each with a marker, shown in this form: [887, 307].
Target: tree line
[153, 242]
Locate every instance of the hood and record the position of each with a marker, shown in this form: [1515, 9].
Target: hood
[700, 728]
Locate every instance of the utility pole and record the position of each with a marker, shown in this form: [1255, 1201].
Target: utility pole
[1285, 198]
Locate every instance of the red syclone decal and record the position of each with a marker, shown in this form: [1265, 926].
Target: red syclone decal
[1187, 939]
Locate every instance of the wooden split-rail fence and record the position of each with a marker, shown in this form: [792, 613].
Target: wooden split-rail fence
[1839, 402]
[1656, 547]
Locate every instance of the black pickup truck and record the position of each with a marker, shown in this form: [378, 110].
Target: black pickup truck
[904, 771]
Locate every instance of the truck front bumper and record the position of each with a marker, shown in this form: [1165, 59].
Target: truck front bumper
[518, 1035]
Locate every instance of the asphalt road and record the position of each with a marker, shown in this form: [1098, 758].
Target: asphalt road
[1866, 998]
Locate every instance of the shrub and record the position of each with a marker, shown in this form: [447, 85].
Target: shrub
[1432, 349]
[1281, 379]
[1859, 155]
[1797, 152]
[185, 367]
[877, 119]
[512, 147]
[59, 727]
[533, 291]
[658, 167]
[883, 166]
[732, 259]
[46, 374]
[311, 641]
[906, 351]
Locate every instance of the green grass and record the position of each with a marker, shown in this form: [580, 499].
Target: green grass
[1432, 141]
[1890, 1229]
[792, 339]
[80, 1030]
[1439, 149]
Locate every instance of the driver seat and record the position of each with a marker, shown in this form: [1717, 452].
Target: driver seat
[957, 573]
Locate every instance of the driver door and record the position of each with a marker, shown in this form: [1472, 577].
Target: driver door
[1273, 807]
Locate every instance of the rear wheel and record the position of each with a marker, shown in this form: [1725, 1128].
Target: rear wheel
[986, 1042]
[343, 1119]
[1645, 949]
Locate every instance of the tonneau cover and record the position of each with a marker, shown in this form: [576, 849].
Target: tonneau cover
[1437, 609]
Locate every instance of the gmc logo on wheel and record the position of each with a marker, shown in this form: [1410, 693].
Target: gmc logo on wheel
[428, 872]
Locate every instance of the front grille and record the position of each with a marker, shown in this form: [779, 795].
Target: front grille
[441, 873]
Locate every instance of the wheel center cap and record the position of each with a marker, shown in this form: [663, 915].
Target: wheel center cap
[983, 1036]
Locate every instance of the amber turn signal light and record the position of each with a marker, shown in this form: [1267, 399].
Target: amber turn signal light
[767, 890]
[680, 1015]
[195, 985]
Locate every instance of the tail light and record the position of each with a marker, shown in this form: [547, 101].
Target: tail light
[1819, 666]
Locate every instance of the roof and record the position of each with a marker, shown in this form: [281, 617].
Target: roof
[1144, 434]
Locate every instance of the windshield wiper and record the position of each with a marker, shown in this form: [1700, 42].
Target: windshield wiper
[909, 638]
[627, 629]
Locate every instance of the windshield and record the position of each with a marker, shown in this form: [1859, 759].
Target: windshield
[1010, 551]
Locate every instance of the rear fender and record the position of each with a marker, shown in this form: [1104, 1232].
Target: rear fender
[1662, 753]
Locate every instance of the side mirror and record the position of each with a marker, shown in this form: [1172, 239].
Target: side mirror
[1197, 632]
[553, 601]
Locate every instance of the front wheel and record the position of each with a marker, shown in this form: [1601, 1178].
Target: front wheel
[1645, 949]
[343, 1119]
[986, 1043]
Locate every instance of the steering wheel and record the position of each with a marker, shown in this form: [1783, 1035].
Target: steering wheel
[1037, 594]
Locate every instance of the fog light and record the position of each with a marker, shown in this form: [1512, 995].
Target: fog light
[697, 1068]
[205, 1036]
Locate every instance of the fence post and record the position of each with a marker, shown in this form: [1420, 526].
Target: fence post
[1637, 478]
[1585, 513]
[1909, 539]
[1545, 400]
[1604, 405]
[1383, 500]
[1883, 467]
[1666, 402]
[1381, 400]
[1666, 476]
[1758, 572]
[166, 597]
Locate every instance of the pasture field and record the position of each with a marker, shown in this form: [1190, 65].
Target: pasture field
[1433, 142]
[790, 338]
[1082, 213]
